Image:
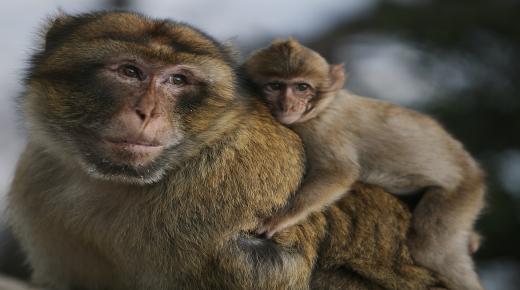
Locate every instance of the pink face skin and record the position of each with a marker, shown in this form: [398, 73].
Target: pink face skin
[144, 126]
[288, 100]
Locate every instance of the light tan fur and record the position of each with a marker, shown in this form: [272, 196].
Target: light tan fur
[353, 138]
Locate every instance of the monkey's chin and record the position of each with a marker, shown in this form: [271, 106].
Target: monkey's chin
[133, 154]
[127, 162]
[287, 119]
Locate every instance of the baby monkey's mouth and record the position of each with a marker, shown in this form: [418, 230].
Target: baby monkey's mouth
[287, 118]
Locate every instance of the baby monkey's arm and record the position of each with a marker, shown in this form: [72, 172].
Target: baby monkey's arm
[320, 188]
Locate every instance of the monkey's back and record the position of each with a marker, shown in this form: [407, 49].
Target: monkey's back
[365, 245]
[394, 147]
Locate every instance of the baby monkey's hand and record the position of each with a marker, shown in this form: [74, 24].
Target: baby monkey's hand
[279, 221]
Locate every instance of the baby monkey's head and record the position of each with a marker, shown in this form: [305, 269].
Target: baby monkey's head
[295, 81]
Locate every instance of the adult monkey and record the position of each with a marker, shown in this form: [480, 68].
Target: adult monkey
[145, 169]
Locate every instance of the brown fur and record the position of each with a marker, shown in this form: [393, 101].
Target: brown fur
[186, 223]
[93, 230]
[366, 243]
[349, 138]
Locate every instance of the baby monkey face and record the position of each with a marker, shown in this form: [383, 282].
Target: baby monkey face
[295, 82]
[288, 99]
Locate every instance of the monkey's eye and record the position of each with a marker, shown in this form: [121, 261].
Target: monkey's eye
[302, 87]
[178, 80]
[130, 71]
[274, 86]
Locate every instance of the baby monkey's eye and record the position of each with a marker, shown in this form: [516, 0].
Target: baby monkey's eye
[178, 80]
[302, 87]
[130, 71]
[273, 86]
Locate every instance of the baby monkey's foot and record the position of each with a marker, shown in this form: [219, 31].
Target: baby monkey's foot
[276, 223]
[475, 239]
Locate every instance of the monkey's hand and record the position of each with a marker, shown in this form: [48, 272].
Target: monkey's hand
[278, 222]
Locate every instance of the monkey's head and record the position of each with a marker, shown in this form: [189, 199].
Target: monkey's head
[295, 81]
[123, 95]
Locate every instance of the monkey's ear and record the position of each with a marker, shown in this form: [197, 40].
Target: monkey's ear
[57, 29]
[337, 76]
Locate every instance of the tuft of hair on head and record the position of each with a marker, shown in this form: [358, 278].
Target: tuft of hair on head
[59, 25]
[231, 50]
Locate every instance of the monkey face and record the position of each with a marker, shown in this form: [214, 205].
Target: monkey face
[126, 96]
[295, 81]
[145, 122]
[289, 100]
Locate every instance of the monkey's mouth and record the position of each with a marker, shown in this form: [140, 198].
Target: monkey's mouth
[135, 144]
[126, 156]
[287, 118]
[128, 160]
[134, 152]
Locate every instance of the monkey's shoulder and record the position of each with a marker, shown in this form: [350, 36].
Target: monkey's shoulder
[270, 134]
[259, 157]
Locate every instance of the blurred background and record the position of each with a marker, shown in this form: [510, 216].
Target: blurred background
[457, 60]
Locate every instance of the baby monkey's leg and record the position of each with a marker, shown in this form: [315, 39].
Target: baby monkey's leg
[318, 191]
[442, 228]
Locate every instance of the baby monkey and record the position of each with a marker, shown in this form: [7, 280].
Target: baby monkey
[350, 138]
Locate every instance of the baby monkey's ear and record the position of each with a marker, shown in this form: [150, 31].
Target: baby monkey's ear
[57, 29]
[337, 76]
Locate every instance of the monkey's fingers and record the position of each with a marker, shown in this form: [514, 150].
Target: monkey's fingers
[261, 230]
[275, 229]
[268, 227]
[282, 222]
[269, 234]
[276, 226]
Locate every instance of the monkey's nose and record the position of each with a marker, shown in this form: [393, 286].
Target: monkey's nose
[146, 112]
[142, 115]
[146, 106]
